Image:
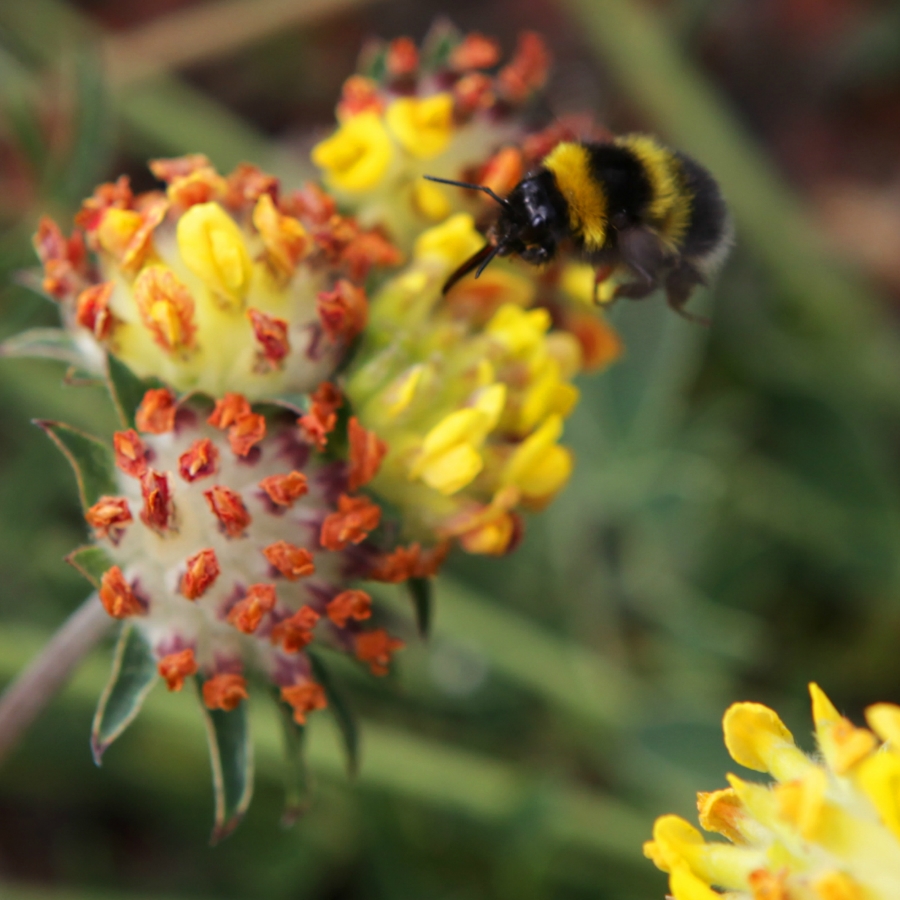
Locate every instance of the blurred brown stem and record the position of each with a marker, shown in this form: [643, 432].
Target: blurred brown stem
[39, 682]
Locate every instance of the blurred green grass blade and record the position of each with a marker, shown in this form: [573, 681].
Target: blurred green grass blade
[398, 763]
[338, 706]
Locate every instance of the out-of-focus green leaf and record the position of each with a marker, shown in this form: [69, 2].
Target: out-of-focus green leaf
[131, 680]
[422, 593]
[340, 709]
[126, 389]
[91, 460]
[91, 562]
[231, 757]
[43, 343]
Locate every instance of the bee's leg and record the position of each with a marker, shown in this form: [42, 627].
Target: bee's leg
[644, 255]
[680, 284]
[601, 274]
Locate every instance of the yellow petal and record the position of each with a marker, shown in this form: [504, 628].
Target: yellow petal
[430, 201]
[838, 886]
[758, 739]
[879, 778]
[212, 247]
[802, 801]
[451, 243]
[452, 470]
[422, 126]
[884, 720]
[685, 885]
[357, 156]
[842, 744]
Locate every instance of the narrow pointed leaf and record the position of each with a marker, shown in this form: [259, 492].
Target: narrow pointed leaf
[91, 459]
[43, 343]
[296, 772]
[343, 714]
[126, 389]
[231, 756]
[91, 562]
[420, 589]
[131, 680]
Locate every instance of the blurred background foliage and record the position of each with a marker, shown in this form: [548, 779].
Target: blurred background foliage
[731, 531]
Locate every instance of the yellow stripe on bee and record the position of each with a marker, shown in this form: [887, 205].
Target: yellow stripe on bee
[670, 208]
[571, 166]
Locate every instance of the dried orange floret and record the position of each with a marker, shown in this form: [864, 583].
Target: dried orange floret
[295, 633]
[159, 510]
[130, 453]
[117, 596]
[92, 310]
[351, 604]
[355, 518]
[224, 691]
[375, 648]
[175, 667]
[285, 489]
[246, 433]
[202, 571]
[228, 410]
[108, 517]
[272, 335]
[228, 507]
[291, 561]
[156, 414]
[306, 697]
[367, 451]
[343, 311]
[200, 460]
[248, 612]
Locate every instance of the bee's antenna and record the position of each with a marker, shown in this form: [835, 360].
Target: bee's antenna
[478, 259]
[472, 187]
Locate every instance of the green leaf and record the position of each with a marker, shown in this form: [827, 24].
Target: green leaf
[126, 389]
[43, 343]
[343, 714]
[132, 678]
[231, 756]
[296, 772]
[91, 562]
[91, 459]
[420, 589]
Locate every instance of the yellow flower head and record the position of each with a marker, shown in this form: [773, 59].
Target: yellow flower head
[827, 828]
[218, 284]
[407, 114]
[469, 391]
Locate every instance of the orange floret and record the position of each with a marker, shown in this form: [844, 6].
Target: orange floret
[117, 597]
[355, 518]
[503, 171]
[271, 334]
[357, 95]
[200, 460]
[166, 308]
[173, 168]
[202, 571]
[156, 414]
[247, 183]
[284, 237]
[410, 562]
[226, 505]
[224, 691]
[321, 418]
[600, 344]
[366, 250]
[64, 259]
[475, 51]
[375, 648]
[111, 195]
[305, 698]
[527, 71]
[293, 562]
[127, 234]
[343, 311]
[285, 489]
[92, 310]
[367, 451]
[473, 91]
[108, 517]
[246, 433]
[247, 613]
[130, 453]
[402, 58]
[228, 410]
[159, 510]
[295, 633]
[352, 604]
[175, 667]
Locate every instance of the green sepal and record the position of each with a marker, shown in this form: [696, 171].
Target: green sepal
[126, 389]
[339, 708]
[43, 343]
[297, 782]
[91, 459]
[131, 680]
[422, 593]
[439, 42]
[91, 562]
[231, 757]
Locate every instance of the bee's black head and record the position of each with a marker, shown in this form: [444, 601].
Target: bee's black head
[530, 225]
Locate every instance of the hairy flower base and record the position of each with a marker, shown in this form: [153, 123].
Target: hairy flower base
[827, 829]
[234, 544]
[218, 284]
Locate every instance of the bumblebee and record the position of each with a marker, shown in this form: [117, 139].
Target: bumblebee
[629, 204]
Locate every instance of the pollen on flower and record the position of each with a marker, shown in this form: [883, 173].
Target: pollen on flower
[117, 596]
[284, 490]
[295, 632]
[228, 507]
[130, 453]
[271, 334]
[306, 697]
[375, 649]
[108, 517]
[224, 691]
[200, 575]
[351, 604]
[200, 460]
[343, 311]
[367, 451]
[159, 509]
[248, 612]
[354, 519]
[92, 310]
[166, 308]
[175, 667]
[156, 413]
[291, 561]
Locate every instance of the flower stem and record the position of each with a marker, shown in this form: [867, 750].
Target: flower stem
[38, 683]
